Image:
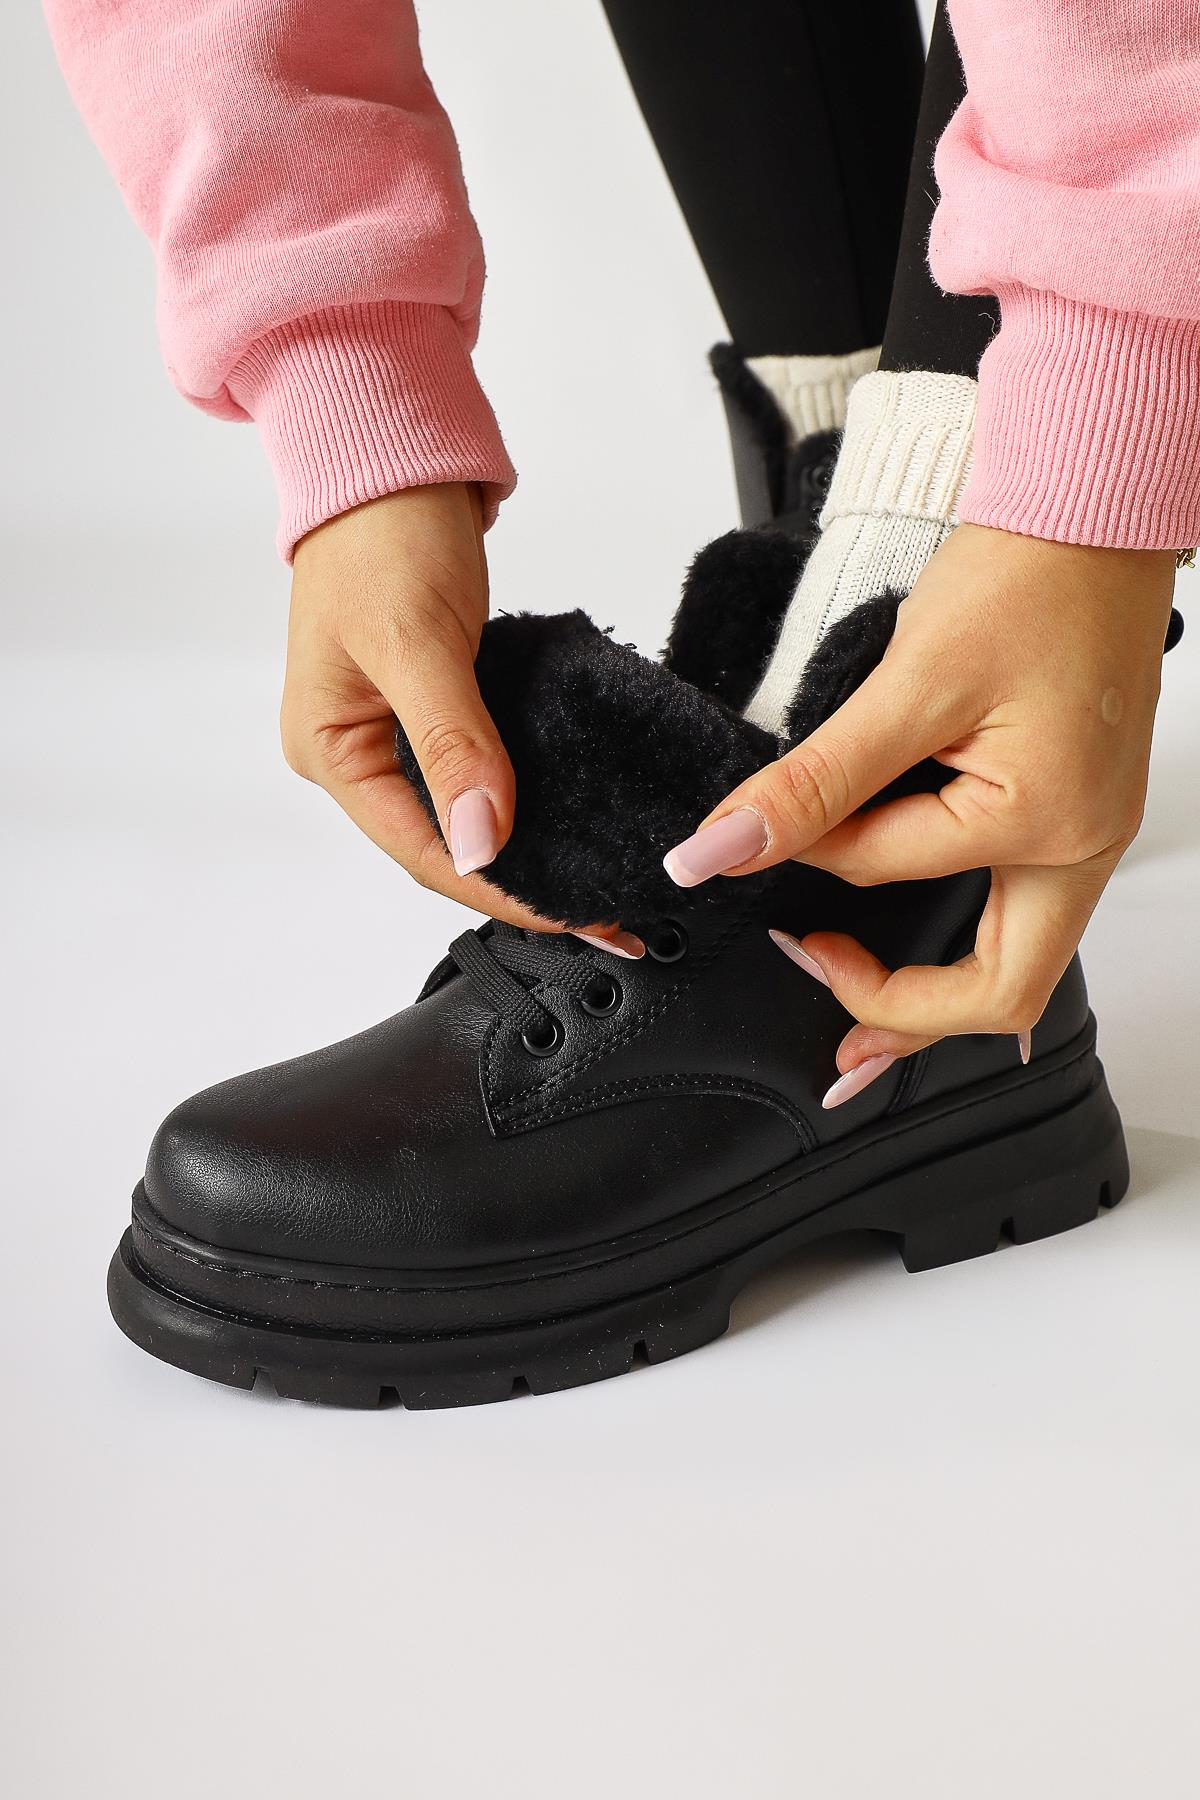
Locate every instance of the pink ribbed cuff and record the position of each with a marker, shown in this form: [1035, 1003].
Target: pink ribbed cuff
[360, 401]
[1088, 426]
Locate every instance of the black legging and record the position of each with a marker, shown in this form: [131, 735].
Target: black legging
[791, 131]
[926, 328]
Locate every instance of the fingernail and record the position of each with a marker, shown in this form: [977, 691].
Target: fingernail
[791, 947]
[621, 943]
[473, 832]
[858, 1079]
[714, 848]
[1025, 1045]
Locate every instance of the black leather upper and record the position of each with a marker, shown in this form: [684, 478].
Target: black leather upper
[436, 1140]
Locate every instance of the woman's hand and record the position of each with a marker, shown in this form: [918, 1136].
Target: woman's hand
[388, 603]
[1032, 669]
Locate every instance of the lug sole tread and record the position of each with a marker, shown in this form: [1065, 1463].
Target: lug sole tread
[549, 1356]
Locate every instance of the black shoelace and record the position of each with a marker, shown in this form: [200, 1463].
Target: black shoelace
[505, 966]
[508, 967]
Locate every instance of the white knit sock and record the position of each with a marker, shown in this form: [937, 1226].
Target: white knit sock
[903, 463]
[811, 391]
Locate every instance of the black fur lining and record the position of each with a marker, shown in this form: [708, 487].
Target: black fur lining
[616, 760]
[849, 652]
[841, 662]
[734, 599]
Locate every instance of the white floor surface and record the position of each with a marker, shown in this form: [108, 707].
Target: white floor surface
[930, 1536]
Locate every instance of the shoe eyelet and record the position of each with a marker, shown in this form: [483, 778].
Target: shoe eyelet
[601, 996]
[546, 1040]
[668, 942]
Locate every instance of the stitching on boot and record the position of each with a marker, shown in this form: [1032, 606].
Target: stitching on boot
[847, 1156]
[910, 1080]
[594, 1100]
[522, 1096]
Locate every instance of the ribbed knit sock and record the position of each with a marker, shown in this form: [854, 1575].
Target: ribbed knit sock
[811, 391]
[903, 462]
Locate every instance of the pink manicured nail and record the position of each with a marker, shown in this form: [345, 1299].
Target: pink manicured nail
[1025, 1045]
[791, 947]
[474, 837]
[735, 839]
[858, 1079]
[621, 943]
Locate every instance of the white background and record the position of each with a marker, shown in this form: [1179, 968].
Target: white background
[930, 1536]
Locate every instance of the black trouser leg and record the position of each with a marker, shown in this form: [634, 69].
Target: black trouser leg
[786, 129]
[927, 329]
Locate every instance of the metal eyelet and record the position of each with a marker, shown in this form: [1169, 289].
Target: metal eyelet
[546, 1040]
[668, 942]
[600, 997]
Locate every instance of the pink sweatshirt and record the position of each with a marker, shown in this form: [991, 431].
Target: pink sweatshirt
[319, 270]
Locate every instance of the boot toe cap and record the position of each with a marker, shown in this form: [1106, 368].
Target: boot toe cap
[210, 1175]
[325, 1159]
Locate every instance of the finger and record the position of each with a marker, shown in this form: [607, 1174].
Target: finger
[867, 1044]
[968, 824]
[1028, 933]
[426, 673]
[863, 1054]
[384, 807]
[863, 1044]
[884, 728]
[611, 938]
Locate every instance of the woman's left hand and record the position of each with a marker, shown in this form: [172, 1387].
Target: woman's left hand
[1032, 669]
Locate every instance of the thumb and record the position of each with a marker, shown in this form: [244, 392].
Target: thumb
[431, 687]
[783, 809]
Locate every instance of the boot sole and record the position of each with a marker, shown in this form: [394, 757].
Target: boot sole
[1047, 1176]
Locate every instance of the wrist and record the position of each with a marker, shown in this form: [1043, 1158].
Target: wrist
[998, 541]
[360, 402]
[398, 522]
[1088, 425]
[1125, 591]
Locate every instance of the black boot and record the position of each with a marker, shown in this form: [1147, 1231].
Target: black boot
[555, 1163]
[778, 482]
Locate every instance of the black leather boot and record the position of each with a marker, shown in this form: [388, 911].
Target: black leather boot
[778, 482]
[555, 1164]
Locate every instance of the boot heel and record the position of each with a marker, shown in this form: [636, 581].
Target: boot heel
[1046, 1178]
[957, 1237]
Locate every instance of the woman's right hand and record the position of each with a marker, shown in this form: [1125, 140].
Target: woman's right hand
[388, 603]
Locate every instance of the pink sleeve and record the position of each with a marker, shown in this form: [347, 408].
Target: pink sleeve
[1070, 188]
[318, 267]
